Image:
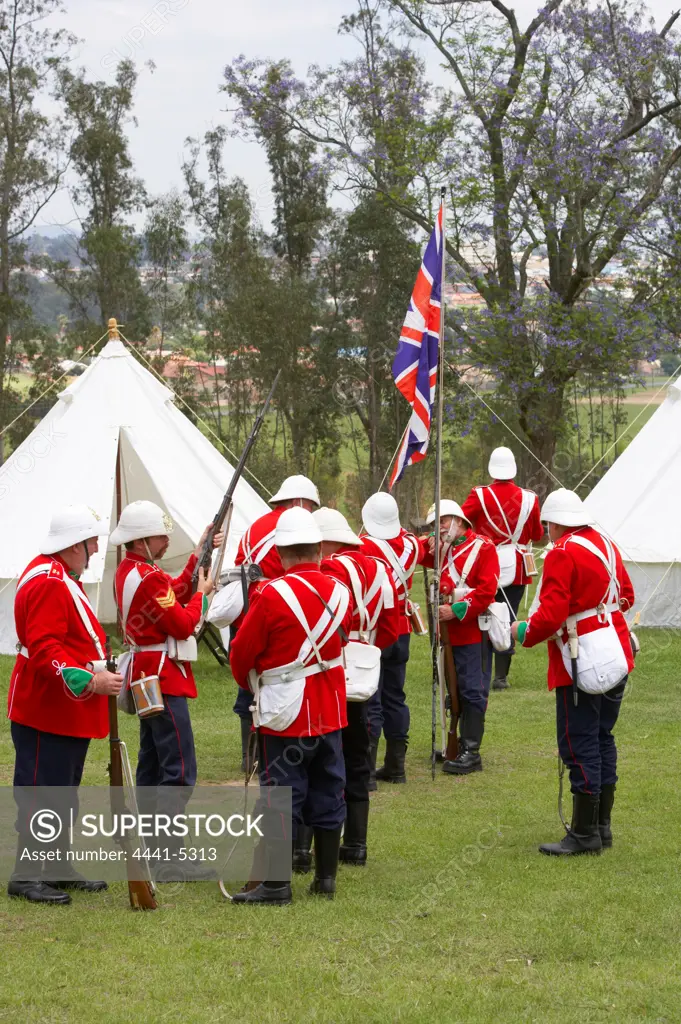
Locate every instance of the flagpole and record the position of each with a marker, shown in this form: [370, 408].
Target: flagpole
[437, 567]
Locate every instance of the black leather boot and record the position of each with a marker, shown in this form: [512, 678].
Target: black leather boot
[393, 765]
[373, 754]
[604, 813]
[502, 664]
[73, 880]
[354, 847]
[302, 850]
[472, 731]
[37, 891]
[326, 853]
[275, 893]
[584, 835]
[245, 744]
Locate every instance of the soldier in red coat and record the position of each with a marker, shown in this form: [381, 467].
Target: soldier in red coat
[399, 550]
[59, 686]
[375, 623]
[158, 617]
[470, 576]
[509, 516]
[584, 590]
[288, 654]
[257, 547]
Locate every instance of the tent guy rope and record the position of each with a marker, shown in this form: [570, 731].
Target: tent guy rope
[179, 398]
[49, 388]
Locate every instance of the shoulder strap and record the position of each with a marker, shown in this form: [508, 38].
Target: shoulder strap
[37, 570]
[79, 598]
[610, 562]
[480, 491]
[132, 584]
[470, 561]
[327, 624]
[82, 604]
[526, 506]
[357, 590]
[403, 574]
[261, 549]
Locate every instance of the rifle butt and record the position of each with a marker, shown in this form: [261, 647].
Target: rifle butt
[141, 896]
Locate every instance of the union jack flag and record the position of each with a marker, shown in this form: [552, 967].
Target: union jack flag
[415, 364]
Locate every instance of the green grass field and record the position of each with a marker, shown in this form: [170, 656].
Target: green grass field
[456, 919]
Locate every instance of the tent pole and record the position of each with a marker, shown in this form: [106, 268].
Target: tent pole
[119, 549]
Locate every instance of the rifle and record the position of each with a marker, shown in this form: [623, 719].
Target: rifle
[141, 893]
[225, 511]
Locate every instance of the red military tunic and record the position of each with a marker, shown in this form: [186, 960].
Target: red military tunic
[161, 607]
[388, 623]
[573, 581]
[510, 498]
[257, 546]
[270, 635]
[407, 550]
[50, 628]
[483, 579]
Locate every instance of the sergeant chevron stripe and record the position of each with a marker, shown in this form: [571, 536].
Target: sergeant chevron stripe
[166, 600]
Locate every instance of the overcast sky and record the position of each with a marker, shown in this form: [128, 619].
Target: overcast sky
[190, 42]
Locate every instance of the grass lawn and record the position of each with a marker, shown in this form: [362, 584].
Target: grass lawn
[456, 919]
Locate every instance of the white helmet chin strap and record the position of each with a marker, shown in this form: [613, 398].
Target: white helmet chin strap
[146, 548]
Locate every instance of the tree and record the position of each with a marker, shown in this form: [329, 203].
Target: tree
[108, 192]
[369, 272]
[31, 144]
[226, 280]
[166, 249]
[560, 138]
[294, 302]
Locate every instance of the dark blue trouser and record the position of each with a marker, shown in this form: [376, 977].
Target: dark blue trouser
[314, 769]
[388, 710]
[44, 759]
[167, 756]
[585, 741]
[472, 680]
[356, 753]
[242, 704]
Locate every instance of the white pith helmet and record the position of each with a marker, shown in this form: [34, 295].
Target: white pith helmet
[335, 527]
[296, 487]
[139, 520]
[565, 508]
[296, 526]
[70, 525]
[447, 508]
[381, 516]
[502, 464]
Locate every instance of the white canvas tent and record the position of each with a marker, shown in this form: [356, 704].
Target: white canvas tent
[71, 457]
[638, 503]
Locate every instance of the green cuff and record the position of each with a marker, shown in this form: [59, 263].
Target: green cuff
[204, 604]
[522, 630]
[76, 679]
[460, 608]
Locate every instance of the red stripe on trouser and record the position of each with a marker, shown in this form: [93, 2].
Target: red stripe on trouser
[37, 758]
[177, 733]
[263, 736]
[567, 737]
